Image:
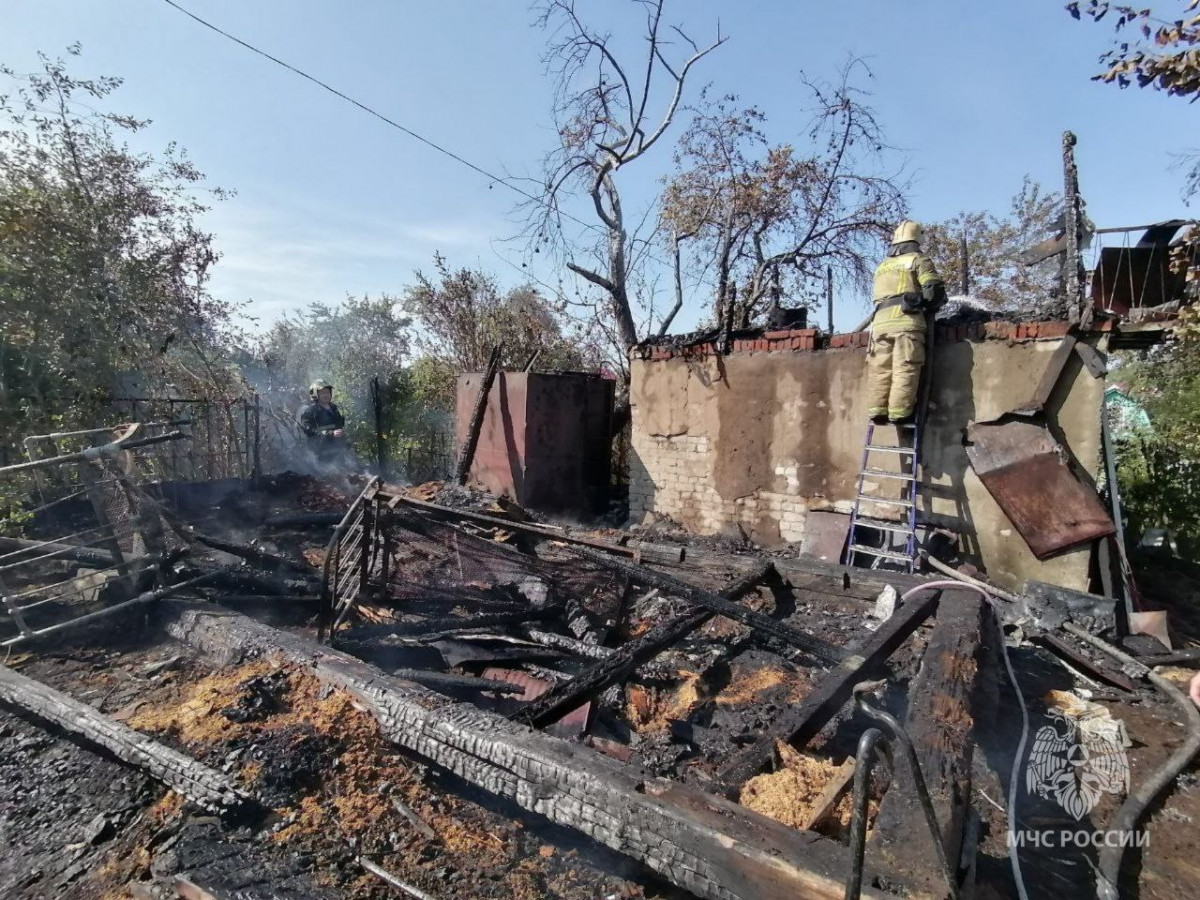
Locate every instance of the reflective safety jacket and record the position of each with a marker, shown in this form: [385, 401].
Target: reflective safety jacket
[909, 274]
[320, 421]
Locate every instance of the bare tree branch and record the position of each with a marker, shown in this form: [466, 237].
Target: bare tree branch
[602, 113]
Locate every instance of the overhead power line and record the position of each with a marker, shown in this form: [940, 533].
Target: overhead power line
[541, 201]
[491, 176]
[424, 140]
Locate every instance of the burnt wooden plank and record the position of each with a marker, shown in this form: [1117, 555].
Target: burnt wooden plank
[213, 790]
[1093, 360]
[1089, 668]
[805, 571]
[701, 843]
[541, 531]
[466, 453]
[953, 689]
[801, 723]
[763, 625]
[562, 698]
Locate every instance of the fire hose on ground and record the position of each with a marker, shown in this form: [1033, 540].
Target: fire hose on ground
[1139, 800]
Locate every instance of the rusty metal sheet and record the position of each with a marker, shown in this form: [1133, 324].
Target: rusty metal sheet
[1027, 473]
[572, 724]
[544, 439]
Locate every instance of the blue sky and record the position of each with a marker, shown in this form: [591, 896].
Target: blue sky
[332, 202]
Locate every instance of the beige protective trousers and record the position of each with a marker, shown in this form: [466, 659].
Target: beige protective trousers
[894, 364]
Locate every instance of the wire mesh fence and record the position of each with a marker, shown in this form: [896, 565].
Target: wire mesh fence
[92, 551]
[422, 457]
[226, 439]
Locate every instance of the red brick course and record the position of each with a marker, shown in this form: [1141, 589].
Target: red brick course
[808, 339]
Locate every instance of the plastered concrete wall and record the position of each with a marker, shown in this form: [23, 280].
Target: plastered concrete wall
[761, 438]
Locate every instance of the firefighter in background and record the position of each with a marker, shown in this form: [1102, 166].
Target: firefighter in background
[323, 423]
[907, 288]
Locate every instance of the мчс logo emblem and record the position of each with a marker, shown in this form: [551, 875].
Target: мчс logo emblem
[1079, 757]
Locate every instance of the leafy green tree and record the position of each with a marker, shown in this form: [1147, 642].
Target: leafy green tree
[462, 314]
[998, 280]
[103, 267]
[350, 345]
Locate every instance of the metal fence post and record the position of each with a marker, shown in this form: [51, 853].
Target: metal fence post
[257, 477]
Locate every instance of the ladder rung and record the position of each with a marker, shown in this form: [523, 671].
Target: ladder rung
[883, 525]
[905, 503]
[883, 449]
[882, 554]
[880, 473]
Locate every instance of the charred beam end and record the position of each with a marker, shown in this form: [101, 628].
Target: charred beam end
[26, 551]
[539, 531]
[204, 786]
[955, 687]
[457, 682]
[560, 700]
[701, 843]
[762, 625]
[466, 453]
[802, 723]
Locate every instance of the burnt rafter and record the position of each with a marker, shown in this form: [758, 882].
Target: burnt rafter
[802, 722]
[617, 667]
[701, 843]
[762, 624]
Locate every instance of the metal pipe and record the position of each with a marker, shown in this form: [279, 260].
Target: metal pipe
[92, 453]
[108, 611]
[58, 435]
[27, 546]
[58, 584]
[900, 736]
[1137, 801]
[864, 762]
[967, 579]
[1125, 228]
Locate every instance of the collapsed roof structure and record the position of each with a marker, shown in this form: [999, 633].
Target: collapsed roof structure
[228, 680]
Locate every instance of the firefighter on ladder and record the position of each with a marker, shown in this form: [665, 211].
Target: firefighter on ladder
[907, 287]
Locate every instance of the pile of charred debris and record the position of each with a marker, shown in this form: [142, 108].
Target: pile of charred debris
[268, 688]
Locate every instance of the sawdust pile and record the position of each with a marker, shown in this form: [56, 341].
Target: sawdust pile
[792, 794]
[339, 789]
[754, 685]
[652, 709]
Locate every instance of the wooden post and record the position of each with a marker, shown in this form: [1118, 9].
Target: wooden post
[829, 295]
[377, 409]
[1074, 281]
[466, 453]
[257, 439]
[964, 264]
[951, 691]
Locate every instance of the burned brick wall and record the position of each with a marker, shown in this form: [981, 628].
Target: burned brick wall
[753, 440]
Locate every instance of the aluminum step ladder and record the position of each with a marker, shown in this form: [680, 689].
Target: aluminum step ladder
[899, 537]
